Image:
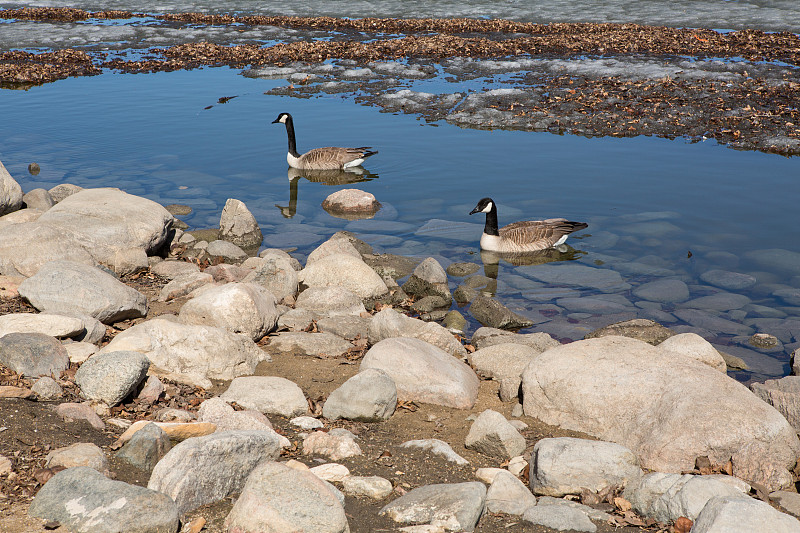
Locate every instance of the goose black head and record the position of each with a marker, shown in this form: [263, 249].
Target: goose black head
[282, 118]
[484, 206]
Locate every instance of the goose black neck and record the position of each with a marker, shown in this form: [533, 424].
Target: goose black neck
[491, 222]
[290, 134]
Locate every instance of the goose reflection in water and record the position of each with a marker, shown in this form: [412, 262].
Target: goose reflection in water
[491, 261]
[327, 177]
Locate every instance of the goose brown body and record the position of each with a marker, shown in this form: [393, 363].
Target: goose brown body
[524, 236]
[326, 158]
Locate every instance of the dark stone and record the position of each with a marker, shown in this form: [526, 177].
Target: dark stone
[145, 448]
[643, 329]
[83, 499]
[33, 354]
[492, 313]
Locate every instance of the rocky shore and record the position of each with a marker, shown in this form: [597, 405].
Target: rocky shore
[166, 382]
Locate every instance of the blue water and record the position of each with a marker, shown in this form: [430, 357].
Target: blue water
[166, 137]
[117, 129]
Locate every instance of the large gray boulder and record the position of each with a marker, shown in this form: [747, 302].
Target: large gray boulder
[89, 227]
[276, 274]
[369, 396]
[509, 495]
[330, 301]
[33, 354]
[190, 354]
[111, 376]
[742, 514]
[428, 279]
[388, 323]
[83, 499]
[49, 324]
[667, 497]
[453, 506]
[491, 434]
[282, 499]
[67, 286]
[422, 372]
[267, 394]
[238, 225]
[10, 192]
[346, 271]
[565, 465]
[667, 410]
[207, 469]
[243, 308]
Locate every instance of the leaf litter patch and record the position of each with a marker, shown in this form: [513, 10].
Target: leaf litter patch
[738, 88]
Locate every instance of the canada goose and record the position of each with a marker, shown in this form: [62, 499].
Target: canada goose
[525, 236]
[328, 158]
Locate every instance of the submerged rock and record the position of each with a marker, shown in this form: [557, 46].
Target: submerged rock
[645, 330]
[351, 204]
[492, 313]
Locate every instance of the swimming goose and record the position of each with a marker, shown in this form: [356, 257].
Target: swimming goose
[526, 236]
[328, 158]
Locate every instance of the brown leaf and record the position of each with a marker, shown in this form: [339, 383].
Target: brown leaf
[525, 474]
[407, 405]
[43, 475]
[703, 464]
[682, 525]
[194, 526]
[588, 497]
[622, 504]
[385, 453]
[761, 491]
[727, 468]
[632, 519]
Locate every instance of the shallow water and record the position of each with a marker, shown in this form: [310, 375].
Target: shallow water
[657, 209]
[649, 202]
